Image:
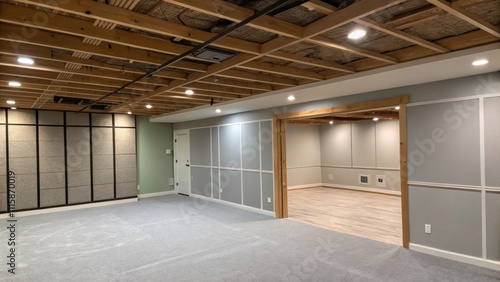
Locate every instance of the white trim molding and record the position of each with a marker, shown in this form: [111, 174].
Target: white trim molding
[158, 194]
[69, 208]
[305, 186]
[374, 190]
[239, 206]
[445, 185]
[491, 264]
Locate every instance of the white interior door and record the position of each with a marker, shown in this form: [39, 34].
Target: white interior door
[182, 176]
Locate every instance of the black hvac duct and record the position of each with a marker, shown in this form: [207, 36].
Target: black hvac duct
[257, 15]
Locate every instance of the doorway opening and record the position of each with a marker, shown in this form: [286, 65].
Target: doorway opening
[348, 179]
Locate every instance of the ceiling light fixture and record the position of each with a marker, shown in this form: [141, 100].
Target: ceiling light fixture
[397, 108]
[357, 34]
[291, 98]
[25, 60]
[218, 110]
[11, 102]
[14, 83]
[331, 122]
[481, 62]
[129, 112]
[149, 106]
[189, 92]
[375, 118]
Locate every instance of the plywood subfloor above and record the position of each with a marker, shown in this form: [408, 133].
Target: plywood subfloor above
[363, 214]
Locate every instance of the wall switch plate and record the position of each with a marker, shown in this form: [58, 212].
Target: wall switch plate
[220, 190]
[268, 199]
[171, 181]
[168, 151]
[380, 180]
[428, 228]
[330, 176]
[138, 187]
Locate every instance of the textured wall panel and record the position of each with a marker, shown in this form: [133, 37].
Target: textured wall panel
[200, 181]
[126, 172]
[122, 120]
[52, 197]
[266, 145]
[215, 183]
[22, 117]
[251, 189]
[449, 211]
[267, 191]
[124, 190]
[199, 146]
[230, 156]
[387, 143]
[50, 118]
[250, 154]
[336, 144]
[215, 146]
[231, 185]
[103, 192]
[492, 141]
[363, 144]
[102, 150]
[22, 161]
[102, 120]
[2, 115]
[77, 118]
[125, 141]
[444, 136]
[78, 161]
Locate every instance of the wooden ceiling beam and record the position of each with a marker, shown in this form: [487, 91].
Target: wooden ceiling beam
[457, 11]
[277, 69]
[100, 11]
[222, 89]
[225, 10]
[310, 61]
[385, 28]
[258, 77]
[236, 83]
[123, 41]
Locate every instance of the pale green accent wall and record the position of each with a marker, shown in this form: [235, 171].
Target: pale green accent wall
[154, 166]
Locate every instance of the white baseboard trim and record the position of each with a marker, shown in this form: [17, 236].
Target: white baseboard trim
[304, 186]
[495, 265]
[69, 208]
[365, 189]
[233, 205]
[148, 195]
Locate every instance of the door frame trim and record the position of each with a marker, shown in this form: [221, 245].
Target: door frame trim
[176, 149]
[279, 151]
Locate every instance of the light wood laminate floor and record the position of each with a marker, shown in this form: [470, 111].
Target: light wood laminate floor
[364, 214]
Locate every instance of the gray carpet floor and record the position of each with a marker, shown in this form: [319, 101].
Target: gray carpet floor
[176, 238]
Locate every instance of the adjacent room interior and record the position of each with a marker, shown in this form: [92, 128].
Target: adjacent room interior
[343, 173]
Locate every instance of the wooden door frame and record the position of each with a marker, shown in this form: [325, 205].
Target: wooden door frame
[279, 145]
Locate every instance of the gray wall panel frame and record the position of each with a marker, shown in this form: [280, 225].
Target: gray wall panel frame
[492, 141]
[199, 146]
[252, 189]
[250, 145]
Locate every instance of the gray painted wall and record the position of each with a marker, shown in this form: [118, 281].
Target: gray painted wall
[303, 155]
[448, 162]
[233, 163]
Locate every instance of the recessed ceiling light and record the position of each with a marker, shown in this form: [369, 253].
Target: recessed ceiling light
[397, 107]
[356, 34]
[25, 60]
[149, 106]
[11, 102]
[189, 92]
[375, 118]
[291, 98]
[481, 62]
[14, 83]
[218, 110]
[331, 122]
[129, 112]
[13, 108]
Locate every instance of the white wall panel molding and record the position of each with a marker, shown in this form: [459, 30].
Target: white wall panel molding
[444, 185]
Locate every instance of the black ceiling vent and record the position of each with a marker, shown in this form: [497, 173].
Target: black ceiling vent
[212, 54]
[81, 102]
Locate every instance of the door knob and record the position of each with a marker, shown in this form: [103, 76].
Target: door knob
[187, 164]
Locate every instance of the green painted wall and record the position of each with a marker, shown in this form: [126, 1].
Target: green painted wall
[154, 166]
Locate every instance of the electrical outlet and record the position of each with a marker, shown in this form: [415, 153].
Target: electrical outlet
[428, 228]
[268, 199]
[380, 180]
[171, 181]
[168, 151]
[330, 176]
[138, 187]
[220, 190]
